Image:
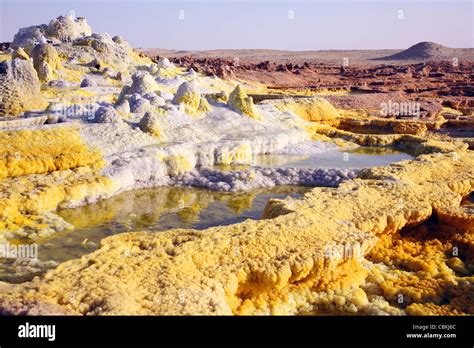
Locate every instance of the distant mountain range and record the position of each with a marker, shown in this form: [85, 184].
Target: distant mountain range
[422, 51]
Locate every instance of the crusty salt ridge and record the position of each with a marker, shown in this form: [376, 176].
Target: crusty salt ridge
[285, 264]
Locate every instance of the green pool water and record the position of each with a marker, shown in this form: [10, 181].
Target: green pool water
[154, 209]
[164, 208]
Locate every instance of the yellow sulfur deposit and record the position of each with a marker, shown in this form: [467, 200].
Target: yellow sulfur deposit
[179, 164]
[170, 72]
[421, 264]
[74, 95]
[188, 96]
[46, 61]
[218, 97]
[413, 143]
[23, 199]
[42, 151]
[204, 105]
[461, 302]
[375, 125]
[20, 53]
[311, 109]
[241, 102]
[71, 75]
[150, 123]
[239, 155]
[5, 56]
[447, 110]
[139, 57]
[286, 263]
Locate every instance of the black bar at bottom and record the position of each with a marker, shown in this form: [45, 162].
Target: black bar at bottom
[339, 330]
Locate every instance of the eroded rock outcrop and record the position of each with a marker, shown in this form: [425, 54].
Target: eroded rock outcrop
[439, 78]
[164, 63]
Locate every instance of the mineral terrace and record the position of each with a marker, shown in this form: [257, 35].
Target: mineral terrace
[84, 117]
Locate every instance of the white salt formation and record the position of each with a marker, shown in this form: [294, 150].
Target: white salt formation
[150, 123]
[66, 28]
[63, 28]
[245, 180]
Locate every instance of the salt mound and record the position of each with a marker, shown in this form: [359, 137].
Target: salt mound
[190, 99]
[188, 93]
[106, 114]
[189, 96]
[29, 37]
[142, 95]
[143, 83]
[66, 33]
[66, 28]
[241, 102]
[423, 51]
[123, 107]
[19, 88]
[63, 28]
[164, 63]
[150, 123]
[139, 104]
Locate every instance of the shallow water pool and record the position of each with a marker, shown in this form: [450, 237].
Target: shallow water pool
[154, 209]
[361, 157]
[164, 208]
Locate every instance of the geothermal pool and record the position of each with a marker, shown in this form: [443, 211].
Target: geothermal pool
[361, 157]
[164, 208]
[155, 209]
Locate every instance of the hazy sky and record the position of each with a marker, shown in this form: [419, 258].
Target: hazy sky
[273, 24]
